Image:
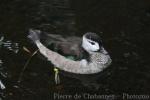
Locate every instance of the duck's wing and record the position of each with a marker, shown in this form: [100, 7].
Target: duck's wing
[66, 46]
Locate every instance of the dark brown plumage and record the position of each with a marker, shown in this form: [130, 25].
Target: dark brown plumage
[66, 46]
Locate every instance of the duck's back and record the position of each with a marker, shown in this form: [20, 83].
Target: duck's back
[69, 46]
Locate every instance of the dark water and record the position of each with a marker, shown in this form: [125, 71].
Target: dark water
[123, 25]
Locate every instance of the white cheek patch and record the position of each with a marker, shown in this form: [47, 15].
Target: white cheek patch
[96, 47]
[88, 46]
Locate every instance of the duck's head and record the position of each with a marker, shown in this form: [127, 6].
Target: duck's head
[91, 42]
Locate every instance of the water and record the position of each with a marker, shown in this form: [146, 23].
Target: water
[123, 25]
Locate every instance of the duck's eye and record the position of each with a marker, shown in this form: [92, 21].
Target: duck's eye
[92, 43]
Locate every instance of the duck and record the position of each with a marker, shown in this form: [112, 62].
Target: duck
[85, 55]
